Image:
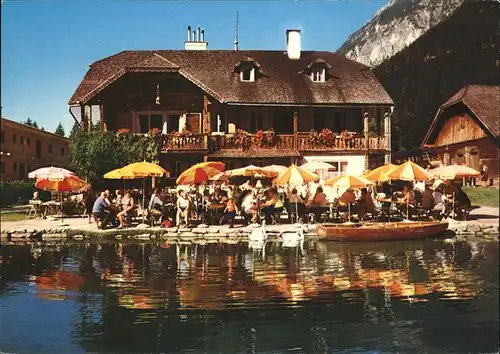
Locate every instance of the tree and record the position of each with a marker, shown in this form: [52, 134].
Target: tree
[42, 129]
[75, 129]
[60, 130]
[94, 153]
[29, 122]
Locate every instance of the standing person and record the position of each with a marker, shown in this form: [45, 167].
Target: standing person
[182, 208]
[484, 176]
[230, 212]
[88, 201]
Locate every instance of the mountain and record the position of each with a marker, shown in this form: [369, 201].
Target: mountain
[394, 27]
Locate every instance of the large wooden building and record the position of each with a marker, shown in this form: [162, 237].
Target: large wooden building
[466, 129]
[205, 102]
[24, 148]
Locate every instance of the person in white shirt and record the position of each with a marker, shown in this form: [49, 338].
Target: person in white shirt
[439, 200]
[155, 204]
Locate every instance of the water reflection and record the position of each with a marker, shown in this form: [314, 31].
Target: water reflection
[308, 297]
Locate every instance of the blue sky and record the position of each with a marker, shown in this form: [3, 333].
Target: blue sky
[48, 45]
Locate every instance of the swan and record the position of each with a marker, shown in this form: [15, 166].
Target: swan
[258, 234]
[293, 235]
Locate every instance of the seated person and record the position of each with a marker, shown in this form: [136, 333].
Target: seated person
[296, 204]
[119, 197]
[36, 195]
[100, 211]
[249, 207]
[427, 198]
[348, 197]
[182, 208]
[462, 198]
[439, 200]
[128, 204]
[365, 204]
[319, 203]
[409, 194]
[272, 205]
[155, 204]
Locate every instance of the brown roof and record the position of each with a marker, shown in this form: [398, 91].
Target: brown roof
[484, 103]
[9, 122]
[349, 82]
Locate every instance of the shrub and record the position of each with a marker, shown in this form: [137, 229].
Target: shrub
[12, 192]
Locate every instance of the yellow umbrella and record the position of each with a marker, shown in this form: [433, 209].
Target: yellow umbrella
[409, 171]
[201, 172]
[119, 173]
[348, 181]
[454, 171]
[295, 175]
[380, 174]
[144, 169]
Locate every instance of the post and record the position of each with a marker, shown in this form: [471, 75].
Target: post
[387, 135]
[367, 138]
[89, 124]
[102, 123]
[295, 129]
[83, 118]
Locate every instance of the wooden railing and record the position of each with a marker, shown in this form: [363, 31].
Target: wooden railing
[185, 142]
[304, 143]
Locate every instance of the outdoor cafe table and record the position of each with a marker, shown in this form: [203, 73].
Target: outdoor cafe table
[51, 208]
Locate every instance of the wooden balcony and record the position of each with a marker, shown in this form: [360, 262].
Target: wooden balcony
[302, 142]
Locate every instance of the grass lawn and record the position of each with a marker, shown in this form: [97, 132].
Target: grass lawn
[14, 216]
[483, 196]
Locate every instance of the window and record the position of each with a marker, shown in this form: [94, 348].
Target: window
[14, 167]
[28, 141]
[14, 138]
[2, 167]
[62, 151]
[147, 122]
[38, 149]
[50, 149]
[247, 74]
[22, 140]
[3, 137]
[318, 75]
[22, 171]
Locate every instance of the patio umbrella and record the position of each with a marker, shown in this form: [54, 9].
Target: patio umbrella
[220, 177]
[275, 168]
[454, 171]
[317, 166]
[250, 171]
[295, 175]
[348, 181]
[67, 184]
[50, 172]
[380, 174]
[409, 171]
[201, 172]
[119, 173]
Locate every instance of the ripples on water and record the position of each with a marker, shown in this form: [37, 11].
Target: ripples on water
[420, 297]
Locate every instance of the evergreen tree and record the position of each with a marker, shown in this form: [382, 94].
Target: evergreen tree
[35, 125]
[60, 130]
[75, 129]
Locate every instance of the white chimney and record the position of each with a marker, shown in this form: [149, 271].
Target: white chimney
[196, 41]
[293, 43]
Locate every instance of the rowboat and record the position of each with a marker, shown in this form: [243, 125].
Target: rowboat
[387, 231]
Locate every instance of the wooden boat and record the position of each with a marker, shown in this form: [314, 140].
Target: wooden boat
[387, 231]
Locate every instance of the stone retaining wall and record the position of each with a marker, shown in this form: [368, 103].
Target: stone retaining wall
[190, 235]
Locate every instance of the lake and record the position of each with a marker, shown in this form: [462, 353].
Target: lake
[431, 296]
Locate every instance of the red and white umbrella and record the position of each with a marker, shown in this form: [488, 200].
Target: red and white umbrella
[52, 173]
[67, 184]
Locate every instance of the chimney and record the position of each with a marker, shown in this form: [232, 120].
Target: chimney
[293, 43]
[195, 40]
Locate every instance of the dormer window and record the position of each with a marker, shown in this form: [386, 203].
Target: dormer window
[318, 74]
[248, 69]
[247, 74]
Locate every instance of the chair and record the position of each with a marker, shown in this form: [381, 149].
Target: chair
[35, 208]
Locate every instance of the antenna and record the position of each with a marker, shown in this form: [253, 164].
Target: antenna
[236, 30]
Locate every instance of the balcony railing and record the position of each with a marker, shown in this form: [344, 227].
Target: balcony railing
[302, 142]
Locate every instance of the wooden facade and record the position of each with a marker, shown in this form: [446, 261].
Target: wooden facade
[209, 126]
[459, 129]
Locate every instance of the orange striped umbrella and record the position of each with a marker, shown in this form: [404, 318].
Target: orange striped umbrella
[380, 174]
[409, 171]
[201, 172]
[67, 184]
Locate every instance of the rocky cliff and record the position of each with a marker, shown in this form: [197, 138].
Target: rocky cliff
[394, 27]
